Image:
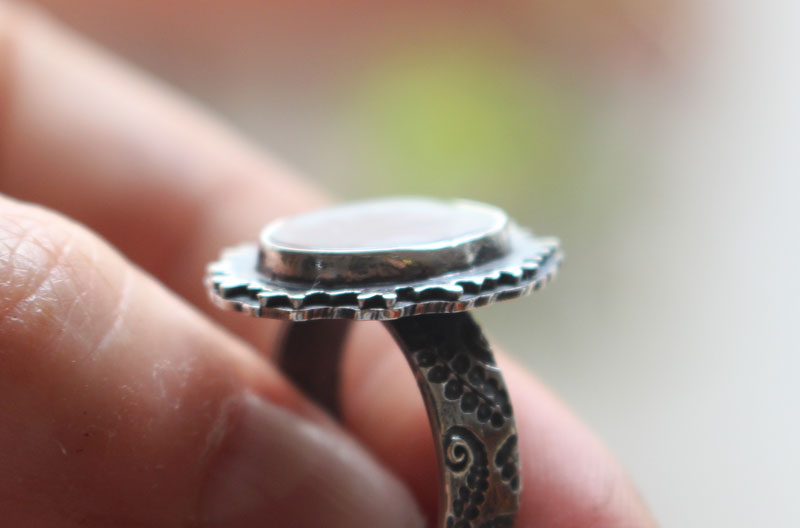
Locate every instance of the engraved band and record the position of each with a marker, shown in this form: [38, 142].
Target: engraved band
[466, 399]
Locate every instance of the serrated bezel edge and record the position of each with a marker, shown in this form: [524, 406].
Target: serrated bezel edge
[457, 293]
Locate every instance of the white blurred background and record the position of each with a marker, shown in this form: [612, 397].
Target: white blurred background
[658, 139]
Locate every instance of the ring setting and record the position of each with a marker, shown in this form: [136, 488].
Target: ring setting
[419, 265]
[494, 261]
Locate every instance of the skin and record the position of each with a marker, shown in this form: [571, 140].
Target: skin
[126, 400]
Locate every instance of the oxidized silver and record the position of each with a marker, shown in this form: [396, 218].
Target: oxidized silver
[518, 264]
[390, 260]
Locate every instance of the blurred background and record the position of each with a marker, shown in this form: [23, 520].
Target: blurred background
[658, 139]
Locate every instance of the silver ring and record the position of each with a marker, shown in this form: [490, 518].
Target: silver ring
[418, 265]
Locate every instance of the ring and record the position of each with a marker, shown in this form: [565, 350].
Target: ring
[418, 265]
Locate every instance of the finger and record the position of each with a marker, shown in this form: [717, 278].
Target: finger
[569, 479]
[121, 406]
[162, 181]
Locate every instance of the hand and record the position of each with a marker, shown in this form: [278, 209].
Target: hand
[122, 404]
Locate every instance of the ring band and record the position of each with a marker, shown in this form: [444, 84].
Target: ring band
[465, 397]
[422, 293]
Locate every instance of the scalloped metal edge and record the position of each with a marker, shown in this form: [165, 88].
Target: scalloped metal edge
[232, 289]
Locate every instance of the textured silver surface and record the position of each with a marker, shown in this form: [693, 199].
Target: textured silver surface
[234, 283]
[471, 418]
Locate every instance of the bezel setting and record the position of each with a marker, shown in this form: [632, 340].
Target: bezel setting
[234, 282]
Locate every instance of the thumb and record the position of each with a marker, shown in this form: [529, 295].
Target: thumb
[122, 406]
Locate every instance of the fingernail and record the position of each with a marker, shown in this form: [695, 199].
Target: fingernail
[277, 469]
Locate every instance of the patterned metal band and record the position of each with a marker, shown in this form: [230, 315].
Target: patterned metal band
[467, 403]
